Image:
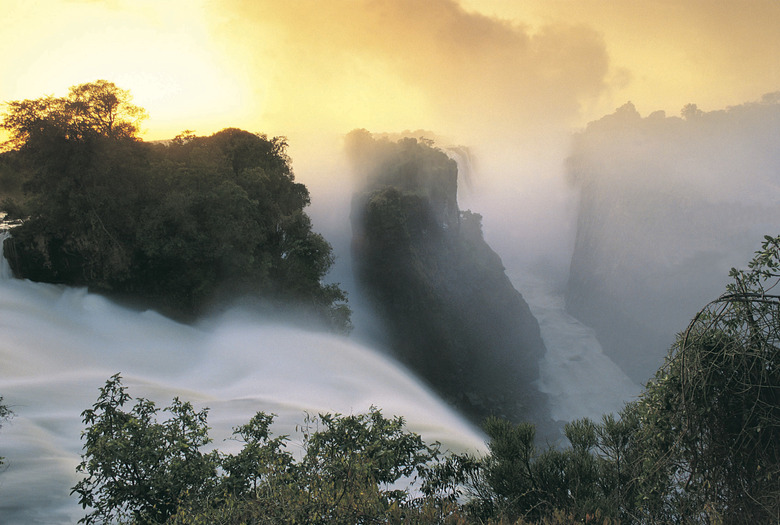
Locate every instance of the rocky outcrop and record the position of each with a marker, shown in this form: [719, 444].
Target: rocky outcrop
[668, 206]
[450, 311]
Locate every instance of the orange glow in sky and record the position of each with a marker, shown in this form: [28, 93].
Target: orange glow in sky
[309, 68]
[161, 51]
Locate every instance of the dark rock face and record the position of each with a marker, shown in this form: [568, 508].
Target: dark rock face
[668, 206]
[451, 312]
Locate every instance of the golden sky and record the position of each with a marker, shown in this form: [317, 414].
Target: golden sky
[468, 69]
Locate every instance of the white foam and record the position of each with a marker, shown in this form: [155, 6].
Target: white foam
[58, 345]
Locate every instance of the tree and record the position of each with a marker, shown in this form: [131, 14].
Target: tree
[178, 226]
[353, 469]
[353, 463]
[136, 468]
[261, 471]
[104, 108]
[517, 481]
[94, 108]
[710, 420]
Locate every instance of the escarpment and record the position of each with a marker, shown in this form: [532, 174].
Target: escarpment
[450, 312]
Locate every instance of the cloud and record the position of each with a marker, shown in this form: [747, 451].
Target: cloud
[431, 63]
[712, 52]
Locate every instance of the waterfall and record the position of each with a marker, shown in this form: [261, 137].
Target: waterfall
[59, 344]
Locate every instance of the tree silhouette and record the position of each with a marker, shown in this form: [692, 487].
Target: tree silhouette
[94, 108]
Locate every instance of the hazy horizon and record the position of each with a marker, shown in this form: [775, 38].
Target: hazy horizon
[509, 80]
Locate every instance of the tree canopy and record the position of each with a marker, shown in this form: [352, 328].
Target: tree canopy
[179, 224]
[140, 470]
[94, 108]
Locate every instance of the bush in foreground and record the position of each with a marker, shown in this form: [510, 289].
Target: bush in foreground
[140, 470]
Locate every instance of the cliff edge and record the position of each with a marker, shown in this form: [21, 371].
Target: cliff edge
[450, 311]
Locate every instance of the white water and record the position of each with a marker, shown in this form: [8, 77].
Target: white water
[58, 345]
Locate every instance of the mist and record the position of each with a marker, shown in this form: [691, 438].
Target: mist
[668, 206]
[616, 229]
[60, 344]
[508, 91]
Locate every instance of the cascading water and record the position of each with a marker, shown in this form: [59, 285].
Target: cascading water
[58, 345]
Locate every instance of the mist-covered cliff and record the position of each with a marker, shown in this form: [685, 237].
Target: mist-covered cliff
[449, 310]
[668, 205]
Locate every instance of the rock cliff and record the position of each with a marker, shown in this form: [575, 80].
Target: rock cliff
[450, 311]
[668, 205]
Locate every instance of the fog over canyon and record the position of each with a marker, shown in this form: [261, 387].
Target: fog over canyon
[660, 208]
[526, 201]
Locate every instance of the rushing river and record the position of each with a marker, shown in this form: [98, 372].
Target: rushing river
[580, 380]
[59, 344]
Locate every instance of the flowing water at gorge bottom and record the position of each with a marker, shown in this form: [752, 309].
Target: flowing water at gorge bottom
[58, 345]
[579, 379]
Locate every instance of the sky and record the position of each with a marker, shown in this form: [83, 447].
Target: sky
[468, 70]
[508, 79]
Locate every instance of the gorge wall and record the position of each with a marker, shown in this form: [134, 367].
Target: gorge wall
[450, 311]
[668, 206]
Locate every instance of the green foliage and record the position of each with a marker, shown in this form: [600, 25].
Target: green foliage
[12, 177]
[353, 469]
[351, 464]
[97, 108]
[137, 469]
[261, 463]
[180, 225]
[508, 466]
[709, 423]
[517, 481]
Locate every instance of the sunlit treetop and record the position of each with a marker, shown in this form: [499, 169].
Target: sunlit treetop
[98, 108]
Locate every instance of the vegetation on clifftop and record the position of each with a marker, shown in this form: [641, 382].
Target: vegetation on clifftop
[178, 225]
[451, 313]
